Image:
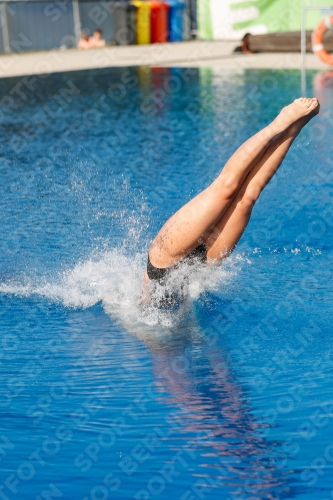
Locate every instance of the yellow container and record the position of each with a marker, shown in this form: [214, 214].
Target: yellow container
[142, 21]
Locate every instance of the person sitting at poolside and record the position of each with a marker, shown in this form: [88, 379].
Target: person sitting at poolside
[84, 41]
[96, 41]
[208, 228]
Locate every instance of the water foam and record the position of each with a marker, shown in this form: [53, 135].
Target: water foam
[116, 280]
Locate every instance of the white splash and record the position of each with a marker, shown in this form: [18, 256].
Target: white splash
[116, 280]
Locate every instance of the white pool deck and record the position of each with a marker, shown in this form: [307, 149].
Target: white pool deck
[185, 54]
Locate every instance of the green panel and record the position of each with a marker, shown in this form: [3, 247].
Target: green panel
[205, 28]
[279, 15]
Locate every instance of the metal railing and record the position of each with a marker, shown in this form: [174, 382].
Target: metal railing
[33, 25]
[59, 24]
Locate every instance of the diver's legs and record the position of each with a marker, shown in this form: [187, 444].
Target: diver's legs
[194, 222]
[228, 230]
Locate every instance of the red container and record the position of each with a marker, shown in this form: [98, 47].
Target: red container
[159, 22]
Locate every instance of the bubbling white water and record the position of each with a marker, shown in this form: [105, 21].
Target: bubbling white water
[116, 280]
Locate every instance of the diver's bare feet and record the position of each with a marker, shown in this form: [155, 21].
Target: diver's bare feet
[297, 113]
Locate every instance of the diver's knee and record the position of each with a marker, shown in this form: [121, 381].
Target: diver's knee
[230, 186]
[250, 197]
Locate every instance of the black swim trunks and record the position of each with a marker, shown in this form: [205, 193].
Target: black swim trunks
[160, 274]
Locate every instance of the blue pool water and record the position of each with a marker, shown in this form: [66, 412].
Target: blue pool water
[228, 398]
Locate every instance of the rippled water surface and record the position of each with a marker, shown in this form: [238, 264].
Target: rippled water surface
[228, 397]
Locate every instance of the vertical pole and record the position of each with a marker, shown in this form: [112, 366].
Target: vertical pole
[4, 26]
[187, 20]
[303, 50]
[77, 21]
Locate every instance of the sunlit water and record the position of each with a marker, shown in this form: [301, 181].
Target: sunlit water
[230, 395]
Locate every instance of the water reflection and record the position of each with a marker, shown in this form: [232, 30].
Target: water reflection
[192, 372]
[323, 80]
[322, 88]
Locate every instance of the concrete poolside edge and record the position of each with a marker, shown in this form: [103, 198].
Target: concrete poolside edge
[185, 54]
